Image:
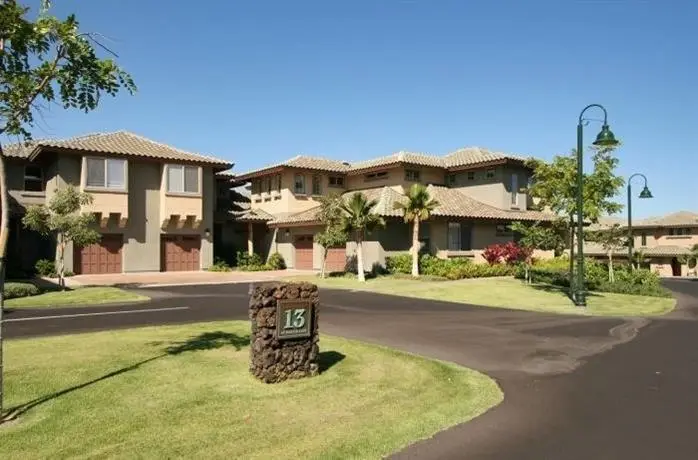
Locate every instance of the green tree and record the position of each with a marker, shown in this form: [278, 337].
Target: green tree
[44, 59]
[62, 218]
[536, 236]
[690, 260]
[333, 234]
[416, 208]
[611, 239]
[359, 220]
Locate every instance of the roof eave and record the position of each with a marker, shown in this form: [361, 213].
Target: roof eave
[484, 164]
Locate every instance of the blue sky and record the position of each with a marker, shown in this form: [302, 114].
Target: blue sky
[258, 81]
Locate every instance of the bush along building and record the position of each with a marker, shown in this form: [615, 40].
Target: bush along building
[662, 244]
[153, 204]
[480, 193]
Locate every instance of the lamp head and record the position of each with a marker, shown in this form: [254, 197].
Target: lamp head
[605, 138]
[645, 193]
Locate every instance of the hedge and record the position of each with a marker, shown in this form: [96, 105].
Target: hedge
[15, 289]
[452, 269]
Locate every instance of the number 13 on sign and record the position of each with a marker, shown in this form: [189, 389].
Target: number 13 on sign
[295, 319]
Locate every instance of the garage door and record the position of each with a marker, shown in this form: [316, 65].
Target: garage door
[180, 253]
[336, 259]
[102, 257]
[304, 252]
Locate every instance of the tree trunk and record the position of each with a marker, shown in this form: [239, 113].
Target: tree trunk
[324, 262]
[415, 247]
[4, 234]
[61, 262]
[611, 274]
[360, 260]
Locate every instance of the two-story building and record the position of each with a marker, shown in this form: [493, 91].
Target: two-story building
[663, 241]
[479, 193]
[153, 203]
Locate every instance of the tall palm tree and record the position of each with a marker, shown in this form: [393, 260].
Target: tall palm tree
[359, 219]
[417, 208]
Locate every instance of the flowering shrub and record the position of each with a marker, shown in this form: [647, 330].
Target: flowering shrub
[509, 253]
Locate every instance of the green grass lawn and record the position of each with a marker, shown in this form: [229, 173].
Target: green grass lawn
[76, 297]
[507, 293]
[185, 391]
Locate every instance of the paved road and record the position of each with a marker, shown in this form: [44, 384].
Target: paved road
[575, 387]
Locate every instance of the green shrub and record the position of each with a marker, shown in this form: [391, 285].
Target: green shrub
[45, 267]
[68, 273]
[461, 268]
[244, 259]
[276, 262]
[219, 265]
[400, 263]
[14, 290]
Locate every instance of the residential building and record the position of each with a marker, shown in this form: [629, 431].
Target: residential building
[479, 193]
[153, 203]
[663, 241]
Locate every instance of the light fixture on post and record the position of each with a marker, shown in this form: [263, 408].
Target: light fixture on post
[605, 138]
[644, 194]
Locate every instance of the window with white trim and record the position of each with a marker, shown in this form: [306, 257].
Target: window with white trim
[514, 189]
[182, 179]
[107, 173]
[299, 184]
[33, 178]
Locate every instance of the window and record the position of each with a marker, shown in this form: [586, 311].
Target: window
[643, 239]
[317, 187]
[299, 184]
[106, 173]
[266, 185]
[376, 176]
[412, 175]
[183, 179]
[256, 186]
[451, 180]
[471, 175]
[454, 236]
[276, 183]
[336, 181]
[679, 231]
[514, 189]
[33, 179]
[490, 174]
[503, 230]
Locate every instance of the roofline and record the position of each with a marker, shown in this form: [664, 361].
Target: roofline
[39, 149]
[483, 164]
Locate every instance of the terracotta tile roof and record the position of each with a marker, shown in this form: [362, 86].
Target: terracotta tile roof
[251, 215]
[452, 203]
[474, 155]
[676, 219]
[462, 157]
[119, 143]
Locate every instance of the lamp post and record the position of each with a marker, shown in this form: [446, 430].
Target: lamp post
[605, 138]
[645, 193]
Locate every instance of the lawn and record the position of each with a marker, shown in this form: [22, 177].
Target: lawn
[76, 297]
[507, 293]
[185, 391]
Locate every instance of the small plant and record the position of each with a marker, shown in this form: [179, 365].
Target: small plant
[45, 267]
[219, 265]
[276, 262]
[400, 263]
[14, 290]
[493, 254]
[244, 259]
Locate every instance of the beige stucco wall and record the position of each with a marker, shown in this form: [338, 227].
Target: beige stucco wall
[396, 178]
[286, 201]
[282, 242]
[661, 237]
[495, 191]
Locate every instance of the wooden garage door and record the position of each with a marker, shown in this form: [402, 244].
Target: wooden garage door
[180, 253]
[102, 257]
[336, 259]
[304, 252]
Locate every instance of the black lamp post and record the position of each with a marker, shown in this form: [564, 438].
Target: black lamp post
[645, 193]
[605, 138]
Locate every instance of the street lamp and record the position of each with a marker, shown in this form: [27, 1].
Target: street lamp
[645, 193]
[605, 138]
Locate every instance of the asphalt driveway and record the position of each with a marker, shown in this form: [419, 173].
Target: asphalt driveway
[575, 387]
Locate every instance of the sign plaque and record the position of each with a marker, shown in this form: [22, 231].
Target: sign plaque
[293, 318]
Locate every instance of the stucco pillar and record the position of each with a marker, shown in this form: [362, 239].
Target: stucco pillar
[250, 239]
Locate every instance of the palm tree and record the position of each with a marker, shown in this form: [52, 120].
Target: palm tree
[359, 219]
[417, 208]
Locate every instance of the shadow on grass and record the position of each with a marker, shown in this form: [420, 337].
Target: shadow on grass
[561, 290]
[201, 342]
[327, 359]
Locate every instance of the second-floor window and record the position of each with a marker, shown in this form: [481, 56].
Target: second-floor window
[679, 231]
[412, 175]
[514, 189]
[33, 179]
[106, 173]
[643, 239]
[182, 179]
[317, 186]
[471, 175]
[490, 174]
[336, 181]
[276, 183]
[299, 184]
[376, 176]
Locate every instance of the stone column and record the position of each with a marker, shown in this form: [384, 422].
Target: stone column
[284, 339]
[250, 238]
